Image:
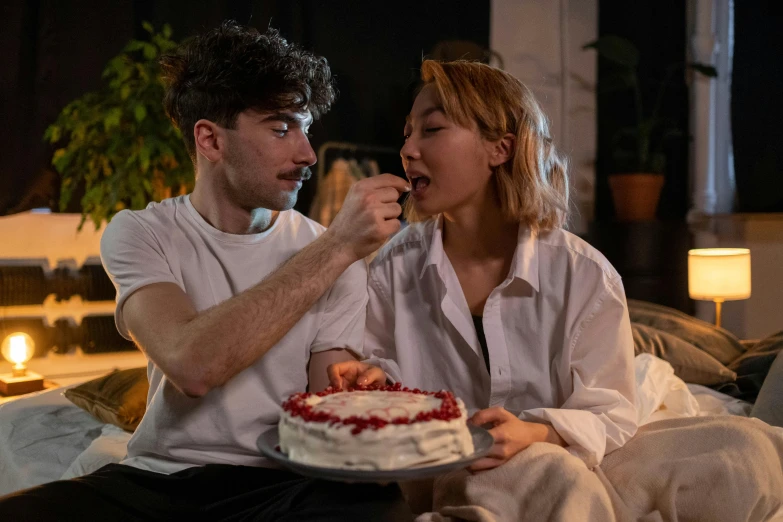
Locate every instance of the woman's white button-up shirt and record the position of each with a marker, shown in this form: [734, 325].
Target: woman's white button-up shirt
[557, 331]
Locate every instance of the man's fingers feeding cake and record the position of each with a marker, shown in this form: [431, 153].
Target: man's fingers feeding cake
[374, 429]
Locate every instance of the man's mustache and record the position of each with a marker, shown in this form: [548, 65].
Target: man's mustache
[297, 174]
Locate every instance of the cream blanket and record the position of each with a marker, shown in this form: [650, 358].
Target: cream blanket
[687, 469]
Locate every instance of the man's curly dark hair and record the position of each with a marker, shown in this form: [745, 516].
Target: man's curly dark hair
[225, 71]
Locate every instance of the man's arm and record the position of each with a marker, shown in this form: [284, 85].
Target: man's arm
[200, 351]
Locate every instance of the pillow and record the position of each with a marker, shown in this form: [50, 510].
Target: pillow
[753, 366]
[759, 356]
[119, 398]
[717, 342]
[690, 364]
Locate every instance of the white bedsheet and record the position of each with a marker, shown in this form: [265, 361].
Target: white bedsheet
[40, 436]
[109, 447]
[662, 395]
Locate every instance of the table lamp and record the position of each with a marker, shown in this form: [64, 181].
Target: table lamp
[18, 348]
[719, 274]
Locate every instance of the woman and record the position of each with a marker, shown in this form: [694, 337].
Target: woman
[484, 293]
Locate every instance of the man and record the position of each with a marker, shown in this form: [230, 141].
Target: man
[231, 294]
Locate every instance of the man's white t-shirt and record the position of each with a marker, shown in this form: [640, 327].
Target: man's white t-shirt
[171, 242]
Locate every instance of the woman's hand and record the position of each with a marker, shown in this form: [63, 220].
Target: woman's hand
[343, 375]
[511, 435]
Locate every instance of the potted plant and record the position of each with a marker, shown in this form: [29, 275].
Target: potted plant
[638, 149]
[118, 142]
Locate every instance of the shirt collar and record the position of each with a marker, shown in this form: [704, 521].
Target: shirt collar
[435, 253]
[524, 265]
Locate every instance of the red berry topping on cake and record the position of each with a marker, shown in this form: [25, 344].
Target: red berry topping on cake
[297, 406]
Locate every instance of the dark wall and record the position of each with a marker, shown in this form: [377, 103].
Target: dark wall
[757, 106]
[54, 51]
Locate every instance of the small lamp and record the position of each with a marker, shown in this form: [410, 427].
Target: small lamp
[719, 274]
[18, 348]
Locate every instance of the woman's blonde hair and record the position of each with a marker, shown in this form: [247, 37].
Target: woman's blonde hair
[532, 185]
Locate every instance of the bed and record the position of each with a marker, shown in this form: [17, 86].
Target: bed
[44, 437]
[684, 368]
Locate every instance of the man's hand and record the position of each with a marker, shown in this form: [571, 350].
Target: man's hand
[347, 374]
[511, 435]
[369, 214]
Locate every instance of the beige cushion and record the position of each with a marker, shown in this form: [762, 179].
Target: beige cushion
[690, 364]
[119, 398]
[720, 343]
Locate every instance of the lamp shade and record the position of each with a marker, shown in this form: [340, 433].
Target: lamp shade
[719, 273]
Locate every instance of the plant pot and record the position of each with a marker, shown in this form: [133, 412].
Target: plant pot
[636, 195]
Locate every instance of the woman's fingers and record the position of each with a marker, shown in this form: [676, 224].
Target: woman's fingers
[494, 415]
[372, 375]
[333, 372]
[342, 374]
[498, 454]
[484, 464]
[345, 374]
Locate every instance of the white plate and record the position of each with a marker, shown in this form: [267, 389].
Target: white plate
[268, 444]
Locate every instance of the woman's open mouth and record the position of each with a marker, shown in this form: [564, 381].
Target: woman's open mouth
[419, 183]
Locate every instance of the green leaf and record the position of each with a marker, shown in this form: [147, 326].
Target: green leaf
[671, 134]
[53, 133]
[138, 201]
[60, 160]
[625, 160]
[658, 163]
[144, 158]
[143, 73]
[130, 160]
[647, 126]
[626, 133]
[116, 66]
[112, 119]
[133, 45]
[118, 140]
[140, 112]
[616, 49]
[148, 27]
[619, 81]
[150, 52]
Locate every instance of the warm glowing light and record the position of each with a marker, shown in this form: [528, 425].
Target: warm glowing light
[719, 273]
[18, 348]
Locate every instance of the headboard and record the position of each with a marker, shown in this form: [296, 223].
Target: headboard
[53, 286]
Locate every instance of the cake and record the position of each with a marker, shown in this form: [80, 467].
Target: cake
[384, 428]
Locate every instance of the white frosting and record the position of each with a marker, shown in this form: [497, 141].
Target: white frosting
[395, 446]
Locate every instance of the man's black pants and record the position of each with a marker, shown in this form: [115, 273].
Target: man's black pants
[212, 492]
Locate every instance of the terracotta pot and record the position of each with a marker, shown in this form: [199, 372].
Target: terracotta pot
[636, 195]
